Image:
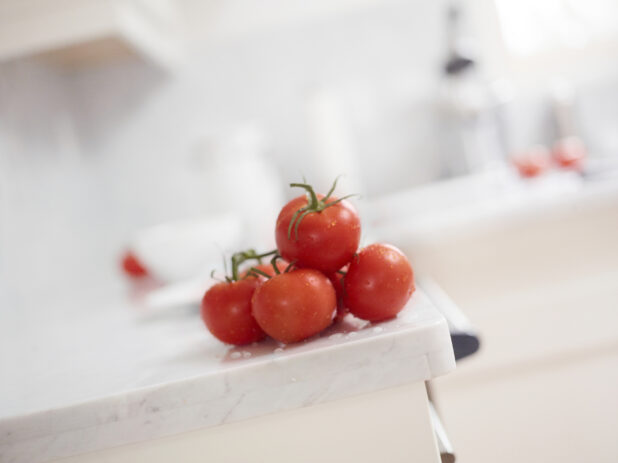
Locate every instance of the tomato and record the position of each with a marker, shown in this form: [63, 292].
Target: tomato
[533, 162]
[337, 280]
[569, 153]
[132, 266]
[295, 305]
[379, 282]
[317, 231]
[226, 311]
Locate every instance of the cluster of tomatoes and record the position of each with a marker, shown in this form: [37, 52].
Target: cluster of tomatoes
[315, 276]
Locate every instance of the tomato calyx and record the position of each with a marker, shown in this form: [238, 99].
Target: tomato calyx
[314, 204]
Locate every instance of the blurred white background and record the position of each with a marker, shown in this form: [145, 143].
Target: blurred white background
[114, 145]
[100, 138]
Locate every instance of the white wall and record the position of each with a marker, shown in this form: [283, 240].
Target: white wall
[88, 156]
[112, 148]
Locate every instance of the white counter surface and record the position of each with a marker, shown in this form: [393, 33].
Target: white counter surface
[89, 380]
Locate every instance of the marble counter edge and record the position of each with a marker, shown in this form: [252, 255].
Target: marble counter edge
[238, 393]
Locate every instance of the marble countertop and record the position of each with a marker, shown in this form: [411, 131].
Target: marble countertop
[465, 206]
[85, 379]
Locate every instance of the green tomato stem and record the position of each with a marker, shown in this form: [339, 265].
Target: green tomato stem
[313, 205]
[273, 262]
[257, 271]
[239, 257]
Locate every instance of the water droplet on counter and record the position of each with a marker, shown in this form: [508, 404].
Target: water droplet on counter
[293, 379]
[336, 336]
[246, 354]
[378, 329]
[235, 355]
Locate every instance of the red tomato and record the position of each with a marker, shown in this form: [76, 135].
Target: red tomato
[295, 305]
[226, 311]
[267, 268]
[326, 240]
[379, 282]
[569, 153]
[132, 266]
[533, 162]
[337, 280]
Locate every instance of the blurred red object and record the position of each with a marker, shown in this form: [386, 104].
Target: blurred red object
[569, 153]
[533, 162]
[132, 266]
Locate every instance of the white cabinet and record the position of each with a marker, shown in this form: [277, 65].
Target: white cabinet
[84, 31]
[540, 282]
